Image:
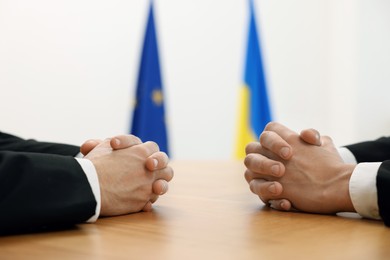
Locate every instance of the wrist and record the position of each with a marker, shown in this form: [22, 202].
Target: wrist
[339, 189]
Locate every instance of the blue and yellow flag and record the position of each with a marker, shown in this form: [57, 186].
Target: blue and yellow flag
[149, 115]
[254, 111]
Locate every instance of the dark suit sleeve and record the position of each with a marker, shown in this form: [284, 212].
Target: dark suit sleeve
[371, 151]
[39, 191]
[13, 143]
[383, 186]
[377, 151]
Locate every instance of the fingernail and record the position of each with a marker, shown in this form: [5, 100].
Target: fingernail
[275, 169]
[285, 152]
[272, 188]
[165, 189]
[155, 163]
[117, 141]
[282, 205]
[318, 139]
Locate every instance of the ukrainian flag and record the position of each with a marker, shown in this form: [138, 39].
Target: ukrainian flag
[254, 110]
[149, 115]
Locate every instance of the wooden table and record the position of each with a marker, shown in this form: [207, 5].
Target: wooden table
[209, 213]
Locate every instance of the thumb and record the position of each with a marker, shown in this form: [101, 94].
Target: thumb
[89, 145]
[311, 136]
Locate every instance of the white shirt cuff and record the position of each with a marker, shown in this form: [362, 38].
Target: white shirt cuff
[347, 155]
[79, 155]
[90, 172]
[363, 191]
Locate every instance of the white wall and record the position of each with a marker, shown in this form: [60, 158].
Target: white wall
[374, 69]
[68, 68]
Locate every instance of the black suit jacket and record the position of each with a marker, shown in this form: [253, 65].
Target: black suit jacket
[41, 186]
[377, 151]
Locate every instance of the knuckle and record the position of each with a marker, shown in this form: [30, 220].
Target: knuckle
[267, 140]
[147, 149]
[259, 165]
[270, 140]
[142, 150]
[291, 137]
[134, 139]
[327, 138]
[263, 137]
[153, 145]
[255, 163]
[164, 157]
[252, 187]
[248, 176]
[250, 147]
[248, 160]
[270, 126]
[170, 173]
[165, 174]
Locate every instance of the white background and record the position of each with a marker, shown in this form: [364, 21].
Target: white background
[68, 68]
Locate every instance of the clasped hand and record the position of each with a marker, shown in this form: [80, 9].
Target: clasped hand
[304, 172]
[131, 174]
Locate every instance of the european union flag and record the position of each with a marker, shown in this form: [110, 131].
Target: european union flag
[149, 115]
[254, 106]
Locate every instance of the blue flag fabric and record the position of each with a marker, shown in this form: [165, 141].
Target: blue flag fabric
[254, 111]
[259, 109]
[149, 115]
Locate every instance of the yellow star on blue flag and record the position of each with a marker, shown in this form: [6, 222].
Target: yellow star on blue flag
[149, 114]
